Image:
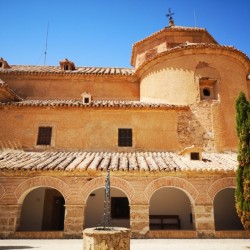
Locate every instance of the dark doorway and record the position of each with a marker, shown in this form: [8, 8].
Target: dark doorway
[53, 212]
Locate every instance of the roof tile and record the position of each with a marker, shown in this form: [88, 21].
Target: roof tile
[142, 161]
[92, 104]
[27, 69]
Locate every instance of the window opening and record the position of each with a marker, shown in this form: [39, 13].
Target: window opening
[66, 67]
[86, 99]
[44, 136]
[208, 89]
[125, 137]
[119, 208]
[1, 64]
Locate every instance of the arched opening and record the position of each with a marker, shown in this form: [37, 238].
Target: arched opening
[119, 208]
[42, 210]
[225, 215]
[170, 208]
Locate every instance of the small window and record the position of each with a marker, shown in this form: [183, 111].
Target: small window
[119, 208]
[195, 156]
[66, 67]
[1, 64]
[125, 137]
[208, 89]
[44, 136]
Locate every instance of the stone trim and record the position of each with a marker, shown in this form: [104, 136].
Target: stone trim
[192, 49]
[41, 181]
[115, 182]
[219, 185]
[179, 183]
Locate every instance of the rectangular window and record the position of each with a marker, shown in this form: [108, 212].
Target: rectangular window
[44, 136]
[125, 137]
[208, 89]
[119, 208]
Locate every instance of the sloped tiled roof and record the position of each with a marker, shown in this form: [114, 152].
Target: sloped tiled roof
[99, 161]
[49, 70]
[92, 104]
[176, 28]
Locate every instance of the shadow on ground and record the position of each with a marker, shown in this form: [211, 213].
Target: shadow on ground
[15, 247]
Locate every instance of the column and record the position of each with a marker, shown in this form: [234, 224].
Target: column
[139, 220]
[74, 221]
[204, 220]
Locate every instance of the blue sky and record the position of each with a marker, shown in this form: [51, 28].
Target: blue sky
[102, 32]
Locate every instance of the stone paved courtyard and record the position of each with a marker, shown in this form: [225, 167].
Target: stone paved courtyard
[152, 244]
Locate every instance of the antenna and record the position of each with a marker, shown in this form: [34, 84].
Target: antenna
[194, 19]
[46, 45]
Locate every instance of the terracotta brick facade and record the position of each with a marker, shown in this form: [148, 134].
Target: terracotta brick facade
[178, 103]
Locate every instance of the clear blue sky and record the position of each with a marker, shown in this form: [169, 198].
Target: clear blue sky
[102, 32]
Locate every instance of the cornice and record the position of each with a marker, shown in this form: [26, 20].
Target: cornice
[199, 48]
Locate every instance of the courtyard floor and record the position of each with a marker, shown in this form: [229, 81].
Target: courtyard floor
[145, 244]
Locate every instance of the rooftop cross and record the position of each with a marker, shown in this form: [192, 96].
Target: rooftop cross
[170, 18]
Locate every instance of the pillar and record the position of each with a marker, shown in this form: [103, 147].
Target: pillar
[139, 220]
[74, 221]
[204, 220]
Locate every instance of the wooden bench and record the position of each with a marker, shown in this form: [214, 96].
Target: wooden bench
[161, 222]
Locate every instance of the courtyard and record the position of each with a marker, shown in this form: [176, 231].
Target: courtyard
[135, 244]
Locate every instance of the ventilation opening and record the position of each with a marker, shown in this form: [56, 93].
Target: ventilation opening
[206, 92]
[195, 156]
[208, 89]
[86, 100]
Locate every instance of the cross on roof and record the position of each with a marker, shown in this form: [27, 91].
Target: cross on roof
[170, 18]
[170, 14]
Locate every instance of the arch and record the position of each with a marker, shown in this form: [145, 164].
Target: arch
[119, 208]
[42, 210]
[203, 69]
[41, 181]
[225, 214]
[115, 182]
[167, 202]
[182, 184]
[228, 182]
